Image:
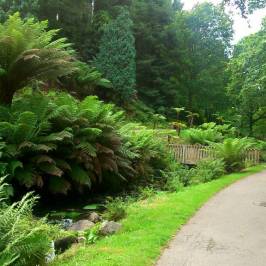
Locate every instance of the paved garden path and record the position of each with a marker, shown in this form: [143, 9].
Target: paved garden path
[230, 230]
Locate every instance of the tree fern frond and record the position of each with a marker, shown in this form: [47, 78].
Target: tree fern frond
[79, 175]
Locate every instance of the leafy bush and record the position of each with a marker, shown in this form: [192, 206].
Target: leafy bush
[115, 209]
[93, 234]
[207, 170]
[200, 136]
[178, 177]
[232, 151]
[207, 133]
[24, 240]
[145, 148]
[226, 129]
[146, 193]
[57, 143]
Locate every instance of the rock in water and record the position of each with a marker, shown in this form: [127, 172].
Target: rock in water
[81, 225]
[109, 228]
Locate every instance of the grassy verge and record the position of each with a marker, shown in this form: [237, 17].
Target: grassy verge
[149, 226]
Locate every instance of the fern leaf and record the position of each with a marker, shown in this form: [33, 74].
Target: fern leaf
[59, 185]
[51, 169]
[87, 148]
[79, 175]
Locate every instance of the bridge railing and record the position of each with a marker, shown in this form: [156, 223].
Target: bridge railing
[192, 154]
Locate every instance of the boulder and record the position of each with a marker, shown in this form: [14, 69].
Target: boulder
[61, 245]
[81, 225]
[94, 217]
[66, 223]
[109, 228]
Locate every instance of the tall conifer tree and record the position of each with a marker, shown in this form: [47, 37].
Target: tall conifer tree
[116, 58]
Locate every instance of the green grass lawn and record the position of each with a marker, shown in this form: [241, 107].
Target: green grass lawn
[148, 227]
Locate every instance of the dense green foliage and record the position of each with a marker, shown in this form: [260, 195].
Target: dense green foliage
[116, 58]
[25, 7]
[206, 171]
[165, 66]
[148, 56]
[232, 151]
[30, 53]
[57, 143]
[207, 133]
[181, 56]
[247, 82]
[24, 240]
[175, 57]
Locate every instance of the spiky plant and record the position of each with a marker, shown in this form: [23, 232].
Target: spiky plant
[24, 241]
[232, 151]
[144, 148]
[30, 52]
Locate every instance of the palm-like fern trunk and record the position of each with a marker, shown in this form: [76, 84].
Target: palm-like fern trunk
[6, 96]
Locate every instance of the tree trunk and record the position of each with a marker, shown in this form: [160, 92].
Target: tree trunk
[251, 122]
[6, 97]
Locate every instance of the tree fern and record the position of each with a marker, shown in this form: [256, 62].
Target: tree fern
[232, 151]
[29, 52]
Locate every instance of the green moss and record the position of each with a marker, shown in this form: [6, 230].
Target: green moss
[149, 226]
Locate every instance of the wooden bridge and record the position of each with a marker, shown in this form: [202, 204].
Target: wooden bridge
[192, 154]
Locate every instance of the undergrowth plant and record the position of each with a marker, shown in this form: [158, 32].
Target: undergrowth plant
[115, 209]
[24, 240]
[207, 170]
[232, 152]
[207, 133]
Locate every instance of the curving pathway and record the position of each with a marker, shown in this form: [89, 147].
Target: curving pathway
[230, 230]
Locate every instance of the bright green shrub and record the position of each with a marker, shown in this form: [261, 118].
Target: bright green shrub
[207, 170]
[232, 152]
[147, 151]
[115, 209]
[207, 133]
[200, 136]
[226, 129]
[146, 193]
[177, 177]
[24, 240]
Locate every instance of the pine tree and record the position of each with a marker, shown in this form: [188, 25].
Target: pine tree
[116, 58]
